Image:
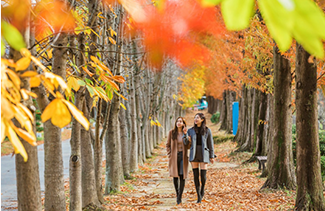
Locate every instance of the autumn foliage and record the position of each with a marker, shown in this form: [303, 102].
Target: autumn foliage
[172, 29]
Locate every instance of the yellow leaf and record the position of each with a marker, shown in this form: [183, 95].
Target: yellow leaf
[48, 84]
[112, 32]
[56, 80]
[22, 63]
[38, 63]
[174, 96]
[123, 106]
[34, 81]
[25, 52]
[152, 122]
[18, 146]
[158, 123]
[3, 129]
[8, 62]
[112, 41]
[30, 138]
[50, 54]
[95, 33]
[77, 114]
[22, 118]
[14, 78]
[26, 110]
[24, 94]
[29, 74]
[73, 83]
[58, 112]
[32, 94]
[7, 110]
[99, 63]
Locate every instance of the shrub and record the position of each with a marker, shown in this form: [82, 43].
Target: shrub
[222, 138]
[215, 117]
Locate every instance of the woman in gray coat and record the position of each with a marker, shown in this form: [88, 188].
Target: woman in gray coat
[201, 151]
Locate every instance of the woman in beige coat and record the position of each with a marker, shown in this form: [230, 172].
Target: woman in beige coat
[178, 158]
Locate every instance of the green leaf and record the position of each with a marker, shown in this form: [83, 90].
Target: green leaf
[81, 82]
[210, 3]
[279, 21]
[89, 81]
[309, 28]
[109, 94]
[237, 13]
[12, 36]
[3, 48]
[101, 90]
[91, 90]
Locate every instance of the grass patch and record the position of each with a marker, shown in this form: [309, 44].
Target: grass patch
[223, 138]
[6, 148]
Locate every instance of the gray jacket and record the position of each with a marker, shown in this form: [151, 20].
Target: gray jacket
[207, 144]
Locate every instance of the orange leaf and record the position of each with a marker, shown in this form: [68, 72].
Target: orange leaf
[87, 71]
[22, 64]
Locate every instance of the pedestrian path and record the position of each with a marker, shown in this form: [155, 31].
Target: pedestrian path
[153, 188]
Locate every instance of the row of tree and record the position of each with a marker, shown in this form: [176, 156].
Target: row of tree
[266, 116]
[110, 80]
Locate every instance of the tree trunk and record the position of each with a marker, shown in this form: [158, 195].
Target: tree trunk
[247, 121]
[112, 183]
[53, 173]
[125, 144]
[266, 126]
[54, 183]
[134, 138]
[261, 123]
[310, 188]
[28, 181]
[27, 173]
[75, 168]
[137, 104]
[281, 171]
[89, 191]
[98, 155]
[230, 99]
[223, 114]
[254, 120]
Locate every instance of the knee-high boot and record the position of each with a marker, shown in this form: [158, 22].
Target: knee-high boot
[197, 184]
[203, 180]
[181, 189]
[176, 185]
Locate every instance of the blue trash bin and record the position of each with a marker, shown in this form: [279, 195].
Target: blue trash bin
[235, 116]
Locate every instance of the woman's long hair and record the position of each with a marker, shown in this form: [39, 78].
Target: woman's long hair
[203, 127]
[175, 131]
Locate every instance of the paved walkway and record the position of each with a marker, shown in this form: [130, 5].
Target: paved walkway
[154, 190]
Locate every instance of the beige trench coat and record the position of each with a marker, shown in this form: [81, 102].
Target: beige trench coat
[171, 147]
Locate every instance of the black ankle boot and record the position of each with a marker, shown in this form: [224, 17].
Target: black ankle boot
[179, 198]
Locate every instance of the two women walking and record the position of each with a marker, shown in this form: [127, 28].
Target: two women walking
[199, 140]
